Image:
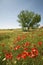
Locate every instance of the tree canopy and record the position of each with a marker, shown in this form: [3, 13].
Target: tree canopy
[28, 19]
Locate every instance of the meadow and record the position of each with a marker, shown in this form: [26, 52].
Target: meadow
[21, 48]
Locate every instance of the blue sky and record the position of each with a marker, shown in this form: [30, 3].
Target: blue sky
[9, 10]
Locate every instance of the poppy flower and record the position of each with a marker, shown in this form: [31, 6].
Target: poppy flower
[26, 44]
[17, 47]
[18, 57]
[34, 52]
[39, 43]
[25, 49]
[31, 55]
[24, 55]
[8, 56]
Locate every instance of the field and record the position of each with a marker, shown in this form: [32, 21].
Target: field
[21, 48]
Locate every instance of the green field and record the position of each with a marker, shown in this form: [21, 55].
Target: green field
[21, 48]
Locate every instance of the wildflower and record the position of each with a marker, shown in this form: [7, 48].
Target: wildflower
[24, 55]
[8, 56]
[32, 55]
[25, 49]
[26, 44]
[34, 52]
[40, 43]
[18, 57]
[29, 54]
[17, 47]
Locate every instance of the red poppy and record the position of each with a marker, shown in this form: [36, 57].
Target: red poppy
[25, 49]
[17, 47]
[32, 55]
[26, 44]
[8, 56]
[18, 57]
[24, 55]
[34, 52]
[40, 43]
[29, 54]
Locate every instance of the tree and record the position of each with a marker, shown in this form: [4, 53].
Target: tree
[28, 19]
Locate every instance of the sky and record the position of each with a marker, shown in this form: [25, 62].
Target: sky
[9, 10]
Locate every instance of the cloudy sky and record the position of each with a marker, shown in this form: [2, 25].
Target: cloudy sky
[9, 9]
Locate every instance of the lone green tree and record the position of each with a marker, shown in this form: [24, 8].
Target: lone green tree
[28, 19]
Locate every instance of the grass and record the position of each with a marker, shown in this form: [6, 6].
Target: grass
[15, 46]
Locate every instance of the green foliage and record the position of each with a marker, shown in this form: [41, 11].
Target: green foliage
[28, 19]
